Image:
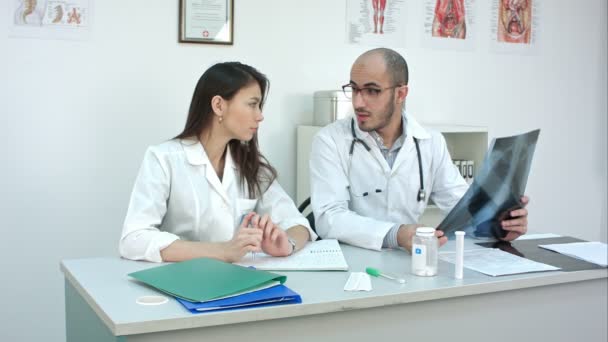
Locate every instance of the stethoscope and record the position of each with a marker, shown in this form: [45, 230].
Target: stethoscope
[421, 192]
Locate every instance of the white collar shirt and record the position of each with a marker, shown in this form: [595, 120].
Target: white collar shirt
[178, 195]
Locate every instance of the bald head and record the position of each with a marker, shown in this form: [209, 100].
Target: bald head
[394, 64]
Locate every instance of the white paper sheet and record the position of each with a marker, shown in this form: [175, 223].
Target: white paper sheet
[358, 281]
[538, 236]
[594, 252]
[494, 262]
[322, 255]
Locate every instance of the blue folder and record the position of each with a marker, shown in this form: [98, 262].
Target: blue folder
[276, 295]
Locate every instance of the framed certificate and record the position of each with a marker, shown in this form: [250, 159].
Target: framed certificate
[206, 21]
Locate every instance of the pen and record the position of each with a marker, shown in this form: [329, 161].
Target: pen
[376, 273]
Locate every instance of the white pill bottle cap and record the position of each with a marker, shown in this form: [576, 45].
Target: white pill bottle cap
[425, 231]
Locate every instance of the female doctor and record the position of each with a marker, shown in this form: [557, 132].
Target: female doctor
[209, 192]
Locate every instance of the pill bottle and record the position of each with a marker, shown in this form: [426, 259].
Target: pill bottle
[425, 247]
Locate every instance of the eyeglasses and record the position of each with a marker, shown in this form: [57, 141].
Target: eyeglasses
[368, 93]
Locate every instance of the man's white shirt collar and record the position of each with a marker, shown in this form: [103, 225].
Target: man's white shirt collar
[412, 128]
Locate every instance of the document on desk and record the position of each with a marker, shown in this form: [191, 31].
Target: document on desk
[322, 255]
[494, 262]
[593, 252]
[538, 236]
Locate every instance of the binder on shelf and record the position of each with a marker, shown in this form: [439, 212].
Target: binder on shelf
[463, 169]
[275, 295]
[457, 164]
[205, 279]
[470, 167]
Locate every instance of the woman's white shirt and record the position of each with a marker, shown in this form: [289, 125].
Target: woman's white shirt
[178, 195]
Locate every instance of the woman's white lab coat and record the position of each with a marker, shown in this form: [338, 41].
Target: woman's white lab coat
[177, 194]
[342, 212]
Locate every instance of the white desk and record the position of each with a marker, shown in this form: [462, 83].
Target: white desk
[550, 306]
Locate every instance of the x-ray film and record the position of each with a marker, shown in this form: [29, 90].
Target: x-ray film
[497, 188]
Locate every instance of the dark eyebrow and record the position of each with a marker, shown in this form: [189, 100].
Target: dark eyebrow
[368, 84]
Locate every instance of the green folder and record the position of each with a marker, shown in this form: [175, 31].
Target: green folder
[204, 279]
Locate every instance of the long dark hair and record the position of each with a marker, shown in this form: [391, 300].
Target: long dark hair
[225, 80]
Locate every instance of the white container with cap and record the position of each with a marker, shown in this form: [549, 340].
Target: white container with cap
[425, 247]
[331, 105]
[459, 264]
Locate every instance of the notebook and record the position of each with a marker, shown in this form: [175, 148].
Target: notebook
[204, 279]
[275, 295]
[322, 255]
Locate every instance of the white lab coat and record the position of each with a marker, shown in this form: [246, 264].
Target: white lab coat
[341, 212]
[177, 195]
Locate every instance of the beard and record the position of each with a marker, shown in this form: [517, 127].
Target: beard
[383, 117]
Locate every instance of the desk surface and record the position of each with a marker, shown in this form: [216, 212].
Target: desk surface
[104, 284]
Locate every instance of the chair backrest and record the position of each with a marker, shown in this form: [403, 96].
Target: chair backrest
[310, 217]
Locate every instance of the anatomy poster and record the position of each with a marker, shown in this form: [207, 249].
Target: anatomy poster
[54, 19]
[449, 23]
[514, 25]
[376, 22]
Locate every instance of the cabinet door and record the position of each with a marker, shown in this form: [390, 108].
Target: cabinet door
[304, 141]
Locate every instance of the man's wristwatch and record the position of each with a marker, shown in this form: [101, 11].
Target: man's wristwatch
[292, 242]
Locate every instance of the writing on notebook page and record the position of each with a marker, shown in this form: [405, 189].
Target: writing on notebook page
[323, 255]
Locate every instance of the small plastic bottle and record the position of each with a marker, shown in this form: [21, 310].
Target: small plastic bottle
[459, 265]
[425, 247]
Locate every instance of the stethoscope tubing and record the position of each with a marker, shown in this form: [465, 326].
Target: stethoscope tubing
[421, 192]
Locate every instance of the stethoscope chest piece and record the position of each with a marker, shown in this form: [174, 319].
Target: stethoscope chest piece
[421, 195]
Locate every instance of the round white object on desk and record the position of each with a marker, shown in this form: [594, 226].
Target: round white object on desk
[151, 300]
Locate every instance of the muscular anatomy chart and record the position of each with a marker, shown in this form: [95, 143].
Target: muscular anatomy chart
[376, 22]
[379, 6]
[514, 23]
[514, 26]
[449, 19]
[449, 23]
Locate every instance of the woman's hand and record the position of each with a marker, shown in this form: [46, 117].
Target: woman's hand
[245, 240]
[274, 239]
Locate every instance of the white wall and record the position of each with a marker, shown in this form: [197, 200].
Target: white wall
[75, 118]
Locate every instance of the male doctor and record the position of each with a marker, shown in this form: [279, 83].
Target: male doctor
[367, 171]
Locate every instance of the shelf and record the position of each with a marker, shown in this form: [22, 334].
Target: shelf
[456, 128]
